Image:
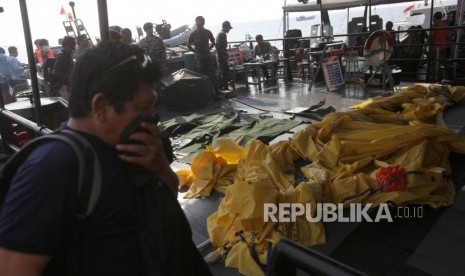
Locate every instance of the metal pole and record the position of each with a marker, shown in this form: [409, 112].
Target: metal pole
[31, 61]
[72, 9]
[321, 20]
[103, 20]
[458, 22]
[428, 68]
[284, 20]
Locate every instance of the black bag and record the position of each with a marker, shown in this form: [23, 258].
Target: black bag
[164, 231]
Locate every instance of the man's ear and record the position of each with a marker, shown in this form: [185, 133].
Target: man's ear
[100, 107]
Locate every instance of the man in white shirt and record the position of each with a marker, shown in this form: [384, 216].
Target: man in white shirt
[19, 73]
[5, 74]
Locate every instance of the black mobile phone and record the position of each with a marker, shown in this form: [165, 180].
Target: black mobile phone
[134, 126]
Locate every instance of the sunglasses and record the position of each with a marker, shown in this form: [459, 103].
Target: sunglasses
[144, 64]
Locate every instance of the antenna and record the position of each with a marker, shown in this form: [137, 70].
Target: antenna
[72, 4]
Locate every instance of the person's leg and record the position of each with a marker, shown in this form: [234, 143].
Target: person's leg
[211, 65]
[224, 73]
[7, 97]
[265, 72]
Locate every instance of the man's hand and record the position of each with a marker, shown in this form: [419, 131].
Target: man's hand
[148, 153]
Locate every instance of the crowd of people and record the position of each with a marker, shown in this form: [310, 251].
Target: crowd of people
[417, 43]
[57, 66]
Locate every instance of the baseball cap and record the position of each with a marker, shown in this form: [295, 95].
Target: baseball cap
[148, 25]
[227, 24]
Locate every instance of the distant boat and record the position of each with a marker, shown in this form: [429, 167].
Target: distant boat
[181, 38]
[303, 18]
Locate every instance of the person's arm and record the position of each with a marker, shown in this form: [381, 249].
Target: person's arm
[16, 67]
[189, 43]
[268, 51]
[14, 263]
[212, 40]
[164, 64]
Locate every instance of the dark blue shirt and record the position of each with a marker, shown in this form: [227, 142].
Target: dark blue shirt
[39, 211]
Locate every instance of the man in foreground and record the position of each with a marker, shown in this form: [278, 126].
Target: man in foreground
[137, 226]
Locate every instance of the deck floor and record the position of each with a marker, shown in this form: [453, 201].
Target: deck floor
[396, 248]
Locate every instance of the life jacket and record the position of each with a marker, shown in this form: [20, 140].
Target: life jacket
[40, 55]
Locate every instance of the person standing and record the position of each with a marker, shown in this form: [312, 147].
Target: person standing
[439, 49]
[83, 44]
[44, 52]
[390, 30]
[64, 65]
[154, 47]
[203, 41]
[222, 53]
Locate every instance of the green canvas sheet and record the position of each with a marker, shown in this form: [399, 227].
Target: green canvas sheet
[200, 130]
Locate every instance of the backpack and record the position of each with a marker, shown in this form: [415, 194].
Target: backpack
[89, 182]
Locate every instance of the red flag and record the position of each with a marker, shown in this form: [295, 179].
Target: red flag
[407, 9]
[62, 12]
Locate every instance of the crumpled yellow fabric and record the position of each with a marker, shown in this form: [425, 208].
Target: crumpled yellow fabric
[346, 149]
[457, 93]
[212, 168]
[262, 177]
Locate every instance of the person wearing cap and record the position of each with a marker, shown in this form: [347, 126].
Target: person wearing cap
[203, 41]
[154, 47]
[222, 53]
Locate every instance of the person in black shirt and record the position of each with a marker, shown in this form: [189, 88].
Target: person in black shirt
[203, 41]
[63, 67]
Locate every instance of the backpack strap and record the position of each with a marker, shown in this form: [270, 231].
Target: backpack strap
[90, 174]
[89, 183]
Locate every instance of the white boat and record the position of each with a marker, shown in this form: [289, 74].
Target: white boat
[181, 38]
[420, 14]
[304, 18]
[178, 30]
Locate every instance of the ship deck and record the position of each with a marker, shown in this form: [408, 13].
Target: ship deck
[428, 246]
